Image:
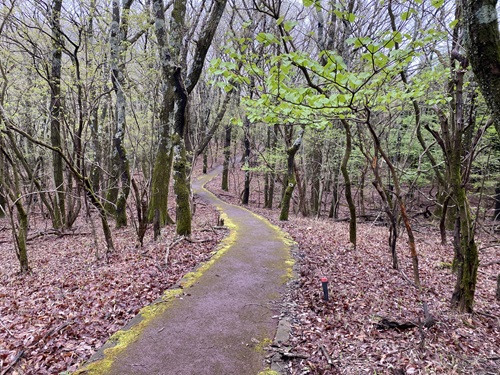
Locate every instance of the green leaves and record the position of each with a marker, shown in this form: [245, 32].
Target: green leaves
[437, 3]
[267, 38]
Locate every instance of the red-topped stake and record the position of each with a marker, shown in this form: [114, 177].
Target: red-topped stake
[324, 283]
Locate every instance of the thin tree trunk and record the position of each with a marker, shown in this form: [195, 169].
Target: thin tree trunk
[401, 203]
[246, 158]
[347, 182]
[227, 157]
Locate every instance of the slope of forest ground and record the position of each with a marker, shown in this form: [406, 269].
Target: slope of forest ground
[54, 318]
[341, 336]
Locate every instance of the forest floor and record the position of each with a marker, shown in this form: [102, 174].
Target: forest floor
[54, 318]
[345, 335]
[74, 299]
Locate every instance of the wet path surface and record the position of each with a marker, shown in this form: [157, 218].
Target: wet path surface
[225, 317]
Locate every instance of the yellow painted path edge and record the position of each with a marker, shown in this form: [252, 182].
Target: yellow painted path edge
[121, 339]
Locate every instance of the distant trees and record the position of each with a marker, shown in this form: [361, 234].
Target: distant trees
[345, 108]
[390, 86]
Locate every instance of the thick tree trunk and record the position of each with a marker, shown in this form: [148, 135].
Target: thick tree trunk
[158, 207]
[55, 115]
[180, 168]
[162, 165]
[466, 261]
[172, 63]
[290, 178]
[482, 41]
[119, 28]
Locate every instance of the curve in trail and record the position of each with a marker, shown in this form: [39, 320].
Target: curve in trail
[223, 315]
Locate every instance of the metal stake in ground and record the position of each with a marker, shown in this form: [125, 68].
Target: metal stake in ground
[324, 283]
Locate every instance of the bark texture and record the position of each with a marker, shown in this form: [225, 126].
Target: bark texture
[347, 183]
[482, 40]
[119, 29]
[55, 115]
[291, 179]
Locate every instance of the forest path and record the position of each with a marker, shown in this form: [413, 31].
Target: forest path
[221, 318]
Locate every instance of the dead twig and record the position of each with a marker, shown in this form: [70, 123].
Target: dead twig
[408, 280]
[198, 241]
[21, 352]
[325, 353]
[18, 356]
[170, 246]
[6, 329]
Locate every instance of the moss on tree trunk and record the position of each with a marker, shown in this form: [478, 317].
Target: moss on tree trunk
[181, 188]
[227, 157]
[290, 178]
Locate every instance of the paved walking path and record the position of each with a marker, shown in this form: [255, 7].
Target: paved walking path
[224, 316]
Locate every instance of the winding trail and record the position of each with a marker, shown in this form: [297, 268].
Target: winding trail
[220, 318]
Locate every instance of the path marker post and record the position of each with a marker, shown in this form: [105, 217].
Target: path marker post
[324, 284]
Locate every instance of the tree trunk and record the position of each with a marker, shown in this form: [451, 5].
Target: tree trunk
[227, 157]
[55, 115]
[290, 178]
[272, 175]
[316, 174]
[163, 164]
[12, 187]
[158, 206]
[205, 161]
[180, 167]
[21, 236]
[347, 182]
[173, 61]
[334, 212]
[466, 261]
[119, 27]
[482, 41]
[246, 156]
[400, 200]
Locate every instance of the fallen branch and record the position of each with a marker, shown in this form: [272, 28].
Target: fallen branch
[291, 355]
[325, 353]
[21, 352]
[385, 324]
[198, 241]
[54, 232]
[18, 356]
